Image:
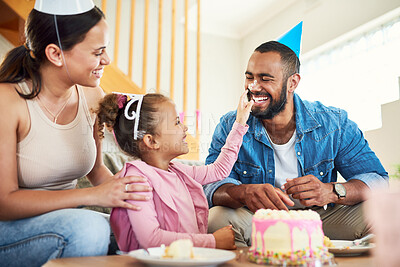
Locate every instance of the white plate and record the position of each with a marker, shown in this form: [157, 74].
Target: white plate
[346, 248]
[203, 257]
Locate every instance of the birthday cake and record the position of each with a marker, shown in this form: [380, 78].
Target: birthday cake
[287, 238]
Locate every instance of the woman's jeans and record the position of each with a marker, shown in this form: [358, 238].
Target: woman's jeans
[58, 234]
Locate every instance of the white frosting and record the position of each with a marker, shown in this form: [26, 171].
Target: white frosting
[289, 215]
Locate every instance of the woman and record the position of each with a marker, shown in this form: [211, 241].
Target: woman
[48, 89]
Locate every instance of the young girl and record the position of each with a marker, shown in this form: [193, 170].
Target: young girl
[148, 127]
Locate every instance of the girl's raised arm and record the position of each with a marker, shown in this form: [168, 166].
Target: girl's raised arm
[222, 166]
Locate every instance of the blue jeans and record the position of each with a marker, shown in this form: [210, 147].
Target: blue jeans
[58, 234]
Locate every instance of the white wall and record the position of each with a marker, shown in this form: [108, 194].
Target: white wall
[221, 83]
[385, 141]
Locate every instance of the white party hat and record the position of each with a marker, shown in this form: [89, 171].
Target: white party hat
[63, 7]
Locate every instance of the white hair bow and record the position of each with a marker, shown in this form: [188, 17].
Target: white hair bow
[134, 114]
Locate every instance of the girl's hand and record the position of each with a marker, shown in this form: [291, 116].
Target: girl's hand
[244, 109]
[115, 191]
[225, 238]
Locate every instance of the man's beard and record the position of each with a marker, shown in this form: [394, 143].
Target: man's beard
[274, 108]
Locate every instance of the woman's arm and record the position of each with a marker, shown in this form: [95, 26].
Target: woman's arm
[100, 173]
[16, 203]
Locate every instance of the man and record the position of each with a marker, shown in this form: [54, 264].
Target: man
[291, 155]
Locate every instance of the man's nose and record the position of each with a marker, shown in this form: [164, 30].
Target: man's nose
[254, 86]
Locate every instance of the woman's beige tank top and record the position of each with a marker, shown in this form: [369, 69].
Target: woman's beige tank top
[53, 156]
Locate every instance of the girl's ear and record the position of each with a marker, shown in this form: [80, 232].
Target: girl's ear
[150, 142]
[53, 54]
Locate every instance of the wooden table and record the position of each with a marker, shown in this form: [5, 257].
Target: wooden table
[123, 260]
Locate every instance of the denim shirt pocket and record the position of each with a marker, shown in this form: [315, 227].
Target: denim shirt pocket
[322, 170]
[249, 173]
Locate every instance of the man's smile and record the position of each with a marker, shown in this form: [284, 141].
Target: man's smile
[258, 97]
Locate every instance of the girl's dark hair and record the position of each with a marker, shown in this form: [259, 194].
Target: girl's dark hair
[24, 62]
[110, 115]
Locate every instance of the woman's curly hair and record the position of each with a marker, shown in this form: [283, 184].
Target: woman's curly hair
[110, 115]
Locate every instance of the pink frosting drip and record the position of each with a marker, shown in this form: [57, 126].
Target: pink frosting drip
[309, 225]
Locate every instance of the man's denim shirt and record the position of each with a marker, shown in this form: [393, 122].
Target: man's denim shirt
[327, 142]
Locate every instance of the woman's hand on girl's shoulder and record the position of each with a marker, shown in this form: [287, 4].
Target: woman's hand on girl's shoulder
[115, 191]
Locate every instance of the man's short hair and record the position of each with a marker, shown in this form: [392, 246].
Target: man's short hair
[291, 63]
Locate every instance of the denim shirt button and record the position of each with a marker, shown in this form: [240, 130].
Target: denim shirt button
[298, 153]
[269, 171]
[321, 173]
[244, 172]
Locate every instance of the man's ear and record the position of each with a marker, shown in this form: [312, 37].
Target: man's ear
[150, 142]
[293, 82]
[53, 54]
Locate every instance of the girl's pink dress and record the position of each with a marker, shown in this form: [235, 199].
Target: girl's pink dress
[178, 207]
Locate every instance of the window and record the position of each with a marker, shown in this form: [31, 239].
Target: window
[357, 75]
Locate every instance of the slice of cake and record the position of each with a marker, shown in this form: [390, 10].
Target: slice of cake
[287, 237]
[180, 249]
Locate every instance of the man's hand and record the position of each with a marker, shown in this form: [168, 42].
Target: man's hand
[310, 191]
[257, 196]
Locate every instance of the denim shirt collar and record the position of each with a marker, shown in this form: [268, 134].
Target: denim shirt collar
[305, 122]
[260, 133]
